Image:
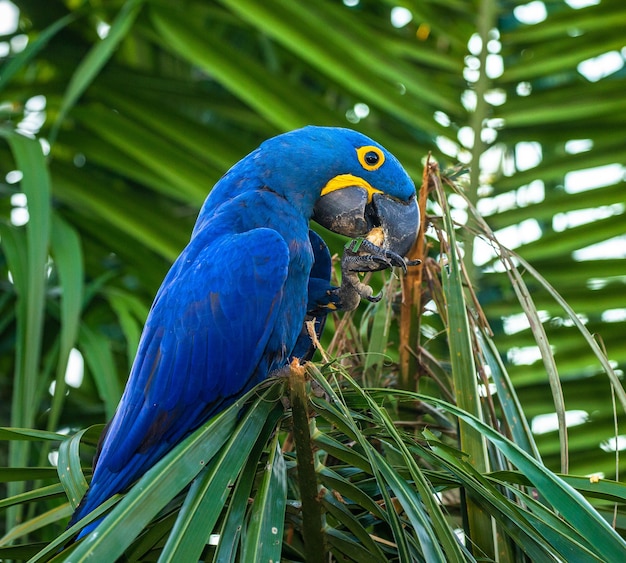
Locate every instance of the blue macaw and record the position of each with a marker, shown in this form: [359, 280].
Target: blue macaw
[231, 310]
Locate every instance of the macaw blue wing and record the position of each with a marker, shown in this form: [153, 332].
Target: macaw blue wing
[320, 300]
[209, 337]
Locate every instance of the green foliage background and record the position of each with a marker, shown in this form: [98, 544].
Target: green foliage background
[140, 106]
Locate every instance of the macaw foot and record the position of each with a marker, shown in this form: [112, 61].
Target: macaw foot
[361, 255]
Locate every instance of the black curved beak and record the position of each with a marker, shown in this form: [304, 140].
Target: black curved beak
[400, 221]
[346, 211]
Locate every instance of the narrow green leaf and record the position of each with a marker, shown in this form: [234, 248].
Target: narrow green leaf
[542, 64]
[99, 358]
[35, 184]
[14, 249]
[383, 478]
[586, 20]
[574, 238]
[180, 130]
[131, 313]
[334, 447]
[31, 434]
[332, 413]
[570, 543]
[379, 336]
[231, 530]
[346, 518]
[263, 540]
[70, 469]
[509, 401]
[68, 259]
[414, 509]
[612, 491]
[605, 489]
[149, 544]
[464, 373]
[36, 523]
[61, 540]
[352, 491]
[34, 495]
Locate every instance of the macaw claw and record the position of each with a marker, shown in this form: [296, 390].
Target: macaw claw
[361, 255]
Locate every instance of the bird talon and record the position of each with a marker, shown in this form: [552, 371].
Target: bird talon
[368, 257]
[375, 298]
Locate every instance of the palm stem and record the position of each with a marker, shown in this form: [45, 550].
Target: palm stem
[312, 523]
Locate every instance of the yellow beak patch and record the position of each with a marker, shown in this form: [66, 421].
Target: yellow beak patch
[350, 181]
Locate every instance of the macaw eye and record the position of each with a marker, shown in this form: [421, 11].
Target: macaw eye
[371, 158]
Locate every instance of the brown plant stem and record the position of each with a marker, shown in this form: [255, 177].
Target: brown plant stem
[312, 522]
[412, 293]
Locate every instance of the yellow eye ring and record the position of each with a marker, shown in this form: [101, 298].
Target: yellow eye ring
[371, 158]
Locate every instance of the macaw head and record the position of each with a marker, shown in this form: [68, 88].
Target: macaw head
[344, 181]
